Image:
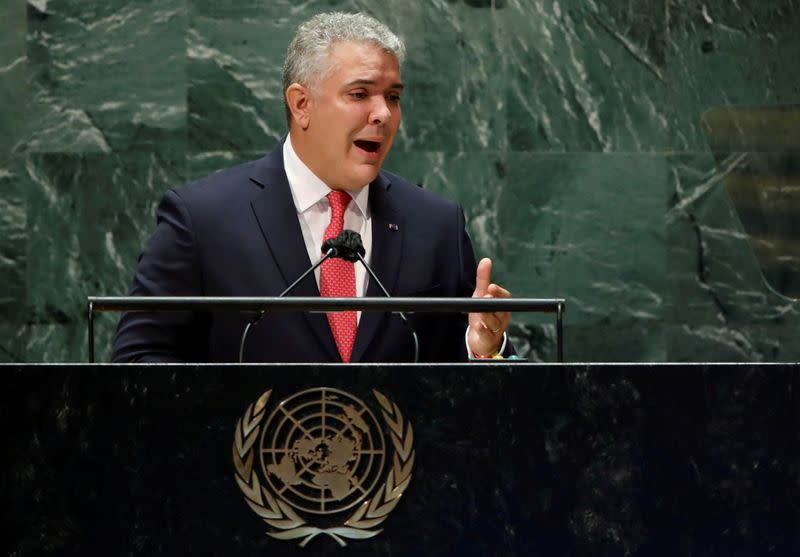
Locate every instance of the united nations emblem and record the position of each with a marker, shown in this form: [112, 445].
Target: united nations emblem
[320, 464]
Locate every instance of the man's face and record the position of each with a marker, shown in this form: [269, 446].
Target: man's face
[352, 116]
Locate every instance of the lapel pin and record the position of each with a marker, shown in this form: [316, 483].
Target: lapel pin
[393, 226]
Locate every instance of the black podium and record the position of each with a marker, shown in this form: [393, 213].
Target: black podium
[497, 459]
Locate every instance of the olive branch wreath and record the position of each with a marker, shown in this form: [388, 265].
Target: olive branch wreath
[278, 514]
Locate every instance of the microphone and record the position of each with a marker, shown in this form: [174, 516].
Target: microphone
[348, 246]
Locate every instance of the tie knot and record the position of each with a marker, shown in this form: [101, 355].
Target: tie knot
[339, 201]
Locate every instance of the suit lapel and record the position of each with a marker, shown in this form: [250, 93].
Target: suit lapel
[277, 216]
[387, 243]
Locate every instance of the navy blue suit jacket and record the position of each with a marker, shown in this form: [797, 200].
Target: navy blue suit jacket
[236, 233]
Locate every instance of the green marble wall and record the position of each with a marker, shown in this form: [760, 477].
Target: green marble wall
[572, 132]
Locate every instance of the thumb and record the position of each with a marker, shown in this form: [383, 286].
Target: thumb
[483, 278]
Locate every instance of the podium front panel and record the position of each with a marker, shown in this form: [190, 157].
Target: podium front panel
[479, 459]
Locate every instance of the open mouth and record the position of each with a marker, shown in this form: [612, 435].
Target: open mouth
[368, 146]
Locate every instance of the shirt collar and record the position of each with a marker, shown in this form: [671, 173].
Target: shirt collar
[307, 189]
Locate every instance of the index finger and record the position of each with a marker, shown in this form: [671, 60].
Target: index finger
[483, 276]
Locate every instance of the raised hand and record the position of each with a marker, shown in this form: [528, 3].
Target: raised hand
[486, 329]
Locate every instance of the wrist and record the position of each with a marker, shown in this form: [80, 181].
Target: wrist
[496, 355]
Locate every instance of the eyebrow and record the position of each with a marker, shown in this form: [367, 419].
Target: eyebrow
[372, 82]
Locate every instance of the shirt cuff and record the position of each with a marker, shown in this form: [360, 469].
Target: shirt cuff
[469, 352]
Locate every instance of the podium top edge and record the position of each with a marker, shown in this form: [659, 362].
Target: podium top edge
[406, 304]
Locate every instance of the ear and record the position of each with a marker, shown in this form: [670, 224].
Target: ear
[298, 98]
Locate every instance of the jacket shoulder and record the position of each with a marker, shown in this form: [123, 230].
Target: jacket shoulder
[220, 186]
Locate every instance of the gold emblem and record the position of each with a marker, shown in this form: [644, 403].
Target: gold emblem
[320, 464]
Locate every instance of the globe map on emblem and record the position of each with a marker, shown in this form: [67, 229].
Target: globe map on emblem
[322, 450]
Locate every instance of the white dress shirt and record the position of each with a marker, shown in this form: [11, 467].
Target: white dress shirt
[309, 194]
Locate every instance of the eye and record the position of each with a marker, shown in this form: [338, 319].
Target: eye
[393, 98]
[358, 95]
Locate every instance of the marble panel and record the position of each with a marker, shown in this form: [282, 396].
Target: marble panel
[13, 76]
[711, 256]
[590, 228]
[53, 339]
[88, 217]
[539, 343]
[13, 128]
[754, 341]
[585, 76]
[728, 53]
[107, 75]
[614, 340]
[234, 98]
[13, 240]
[757, 151]
[12, 342]
[712, 269]
[720, 306]
[63, 338]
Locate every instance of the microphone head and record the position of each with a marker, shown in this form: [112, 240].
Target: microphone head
[347, 245]
[351, 245]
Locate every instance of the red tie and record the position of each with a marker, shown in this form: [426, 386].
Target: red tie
[337, 279]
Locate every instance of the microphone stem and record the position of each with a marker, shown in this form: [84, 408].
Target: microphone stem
[319, 262]
[289, 288]
[375, 278]
[330, 253]
[400, 313]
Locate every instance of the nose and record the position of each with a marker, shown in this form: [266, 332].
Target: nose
[380, 112]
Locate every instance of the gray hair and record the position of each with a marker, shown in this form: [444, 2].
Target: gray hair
[306, 57]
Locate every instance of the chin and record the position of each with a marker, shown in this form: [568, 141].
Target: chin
[362, 177]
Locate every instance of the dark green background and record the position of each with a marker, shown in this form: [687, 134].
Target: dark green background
[570, 130]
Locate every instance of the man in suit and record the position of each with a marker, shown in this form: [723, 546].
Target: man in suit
[253, 229]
